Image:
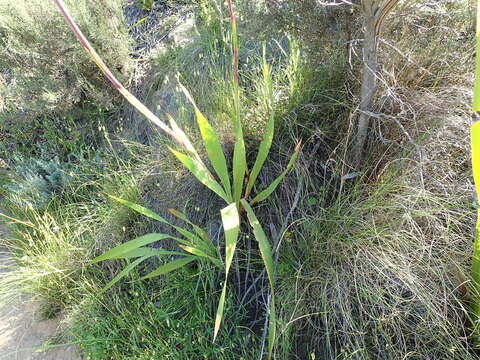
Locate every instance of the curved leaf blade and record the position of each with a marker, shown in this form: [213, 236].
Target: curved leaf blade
[231, 227]
[266, 143]
[171, 266]
[123, 273]
[267, 257]
[271, 188]
[239, 164]
[201, 173]
[147, 251]
[212, 145]
[219, 314]
[140, 209]
[125, 248]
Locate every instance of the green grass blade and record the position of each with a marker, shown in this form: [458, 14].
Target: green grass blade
[212, 145]
[171, 266]
[140, 209]
[125, 248]
[201, 173]
[231, 227]
[271, 188]
[123, 273]
[270, 128]
[267, 257]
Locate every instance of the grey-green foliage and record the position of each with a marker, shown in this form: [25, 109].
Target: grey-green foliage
[37, 181]
[43, 68]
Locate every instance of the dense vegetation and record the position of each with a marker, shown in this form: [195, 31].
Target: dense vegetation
[371, 257]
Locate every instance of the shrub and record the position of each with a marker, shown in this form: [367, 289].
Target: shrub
[38, 181]
[44, 69]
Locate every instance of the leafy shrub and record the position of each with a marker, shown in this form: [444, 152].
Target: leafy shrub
[44, 69]
[38, 181]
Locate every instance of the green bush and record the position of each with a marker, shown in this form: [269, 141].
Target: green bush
[43, 68]
[37, 181]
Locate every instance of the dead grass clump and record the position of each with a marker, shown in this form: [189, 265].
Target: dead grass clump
[383, 277]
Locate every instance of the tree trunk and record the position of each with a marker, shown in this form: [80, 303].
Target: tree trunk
[374, 12]
[369, 83]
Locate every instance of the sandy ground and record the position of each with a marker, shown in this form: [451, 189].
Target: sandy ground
[22, 334]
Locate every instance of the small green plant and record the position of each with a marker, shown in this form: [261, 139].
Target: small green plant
[146, 4]
[38, 181]
[235, 190]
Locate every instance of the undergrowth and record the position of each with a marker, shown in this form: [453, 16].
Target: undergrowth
[370, 265]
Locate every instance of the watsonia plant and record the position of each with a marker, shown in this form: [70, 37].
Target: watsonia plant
[475, 139]
[235, 191]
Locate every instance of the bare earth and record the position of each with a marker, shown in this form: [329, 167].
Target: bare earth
[22, 334]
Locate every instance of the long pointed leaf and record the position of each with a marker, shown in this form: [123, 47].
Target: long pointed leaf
[147, 251]
[123, 249]
[266, 143]
[197, 252]
[123, 273]
[212, 145]
[219, 315]
[239, 164]
[201, 173]
[198, 230]
[185, 140]
[266, 252]
[231, 227]
[271, 188]
[196, 241]
[475, 307]
[173, 265]
[140, 209]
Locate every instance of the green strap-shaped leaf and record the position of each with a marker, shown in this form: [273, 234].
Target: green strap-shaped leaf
[147, 251]
[231, 227]
[125, 248]
[212, 145]
[266, 143]
[220, 308]
[198, 230]
[123, 273]
[271, 188]
[263, 151]
[173, 265]
[266, 252]
[475, 138]
[239, 164]
[198, 252]
[475, 308]
[272, 327]
[196, 241]
[183, 137]
[201, 173]
[140, 209]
